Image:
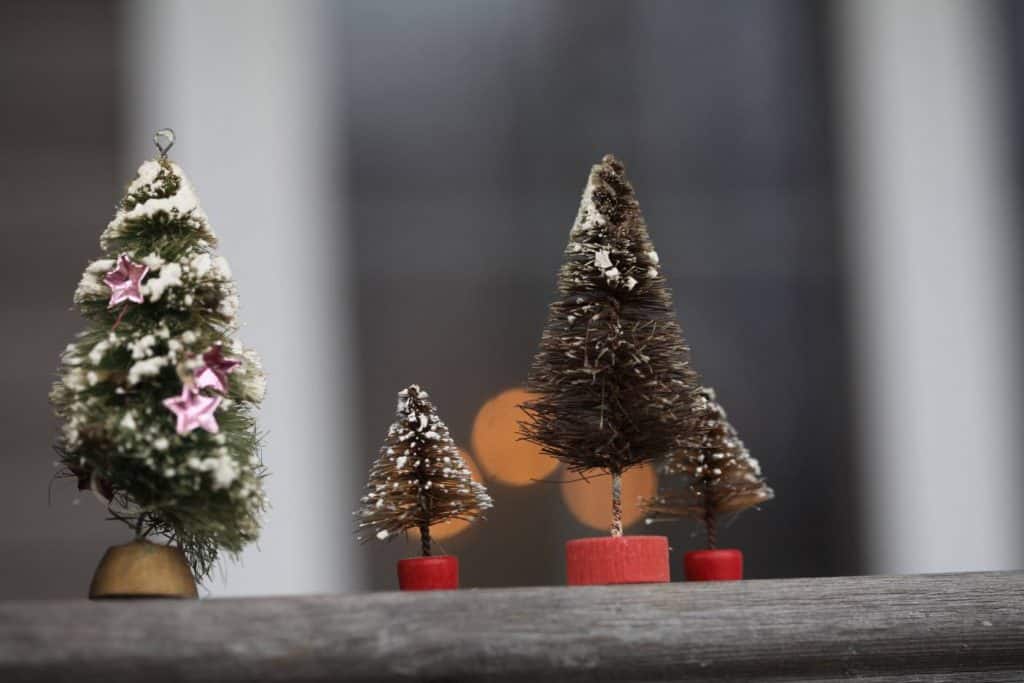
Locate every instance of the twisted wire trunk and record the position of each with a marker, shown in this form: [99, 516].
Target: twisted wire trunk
[616, 503]
[425, 539]
[709, 521]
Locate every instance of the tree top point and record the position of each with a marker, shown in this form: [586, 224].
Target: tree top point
[612, 161]
[413, 390]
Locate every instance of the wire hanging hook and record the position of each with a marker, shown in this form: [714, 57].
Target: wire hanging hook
[164, 140]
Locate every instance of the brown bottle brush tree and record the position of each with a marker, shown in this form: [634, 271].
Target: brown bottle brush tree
[710, 475]
[419, 479]
[613, 383]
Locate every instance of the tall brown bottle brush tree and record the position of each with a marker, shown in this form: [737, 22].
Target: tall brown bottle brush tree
[612, 377]
[710, 476]
[419, 479]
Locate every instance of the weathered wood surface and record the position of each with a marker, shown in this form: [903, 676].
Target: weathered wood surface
[952, 627]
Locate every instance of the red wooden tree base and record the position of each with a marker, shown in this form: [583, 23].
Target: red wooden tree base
[617, 559]
[439, 572]
[714, 565]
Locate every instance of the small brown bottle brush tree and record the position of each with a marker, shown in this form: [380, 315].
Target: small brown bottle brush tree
[418, 480]
[613, 383]
[711, 475]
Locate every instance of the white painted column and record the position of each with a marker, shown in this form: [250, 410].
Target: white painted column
[936, 290]
[249, 86]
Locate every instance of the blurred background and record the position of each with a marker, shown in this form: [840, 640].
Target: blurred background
[833, 189]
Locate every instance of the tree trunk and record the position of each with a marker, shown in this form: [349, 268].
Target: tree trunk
[709, 520]
[425, 539]
[616, 503]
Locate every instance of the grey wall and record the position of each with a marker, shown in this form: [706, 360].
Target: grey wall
[933, 249]
[58, 186]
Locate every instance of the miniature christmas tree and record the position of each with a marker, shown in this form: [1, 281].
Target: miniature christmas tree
[613, 379]
[156, 395]
[717, 474]
[419, 479]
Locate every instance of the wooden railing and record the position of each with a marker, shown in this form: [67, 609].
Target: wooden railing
[950, 627]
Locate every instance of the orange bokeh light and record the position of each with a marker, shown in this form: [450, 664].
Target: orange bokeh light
[454, 527]
[497, 444]
[590, 502]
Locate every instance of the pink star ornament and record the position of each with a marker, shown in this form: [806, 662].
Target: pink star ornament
[214, 374]
[194, 410]
[125, 281]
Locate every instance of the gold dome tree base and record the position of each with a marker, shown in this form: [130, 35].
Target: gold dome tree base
[141, 569]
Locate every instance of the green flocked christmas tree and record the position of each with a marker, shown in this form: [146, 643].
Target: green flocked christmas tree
[156, 395]
[710, 476]
[419, 479]
[612, 377]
